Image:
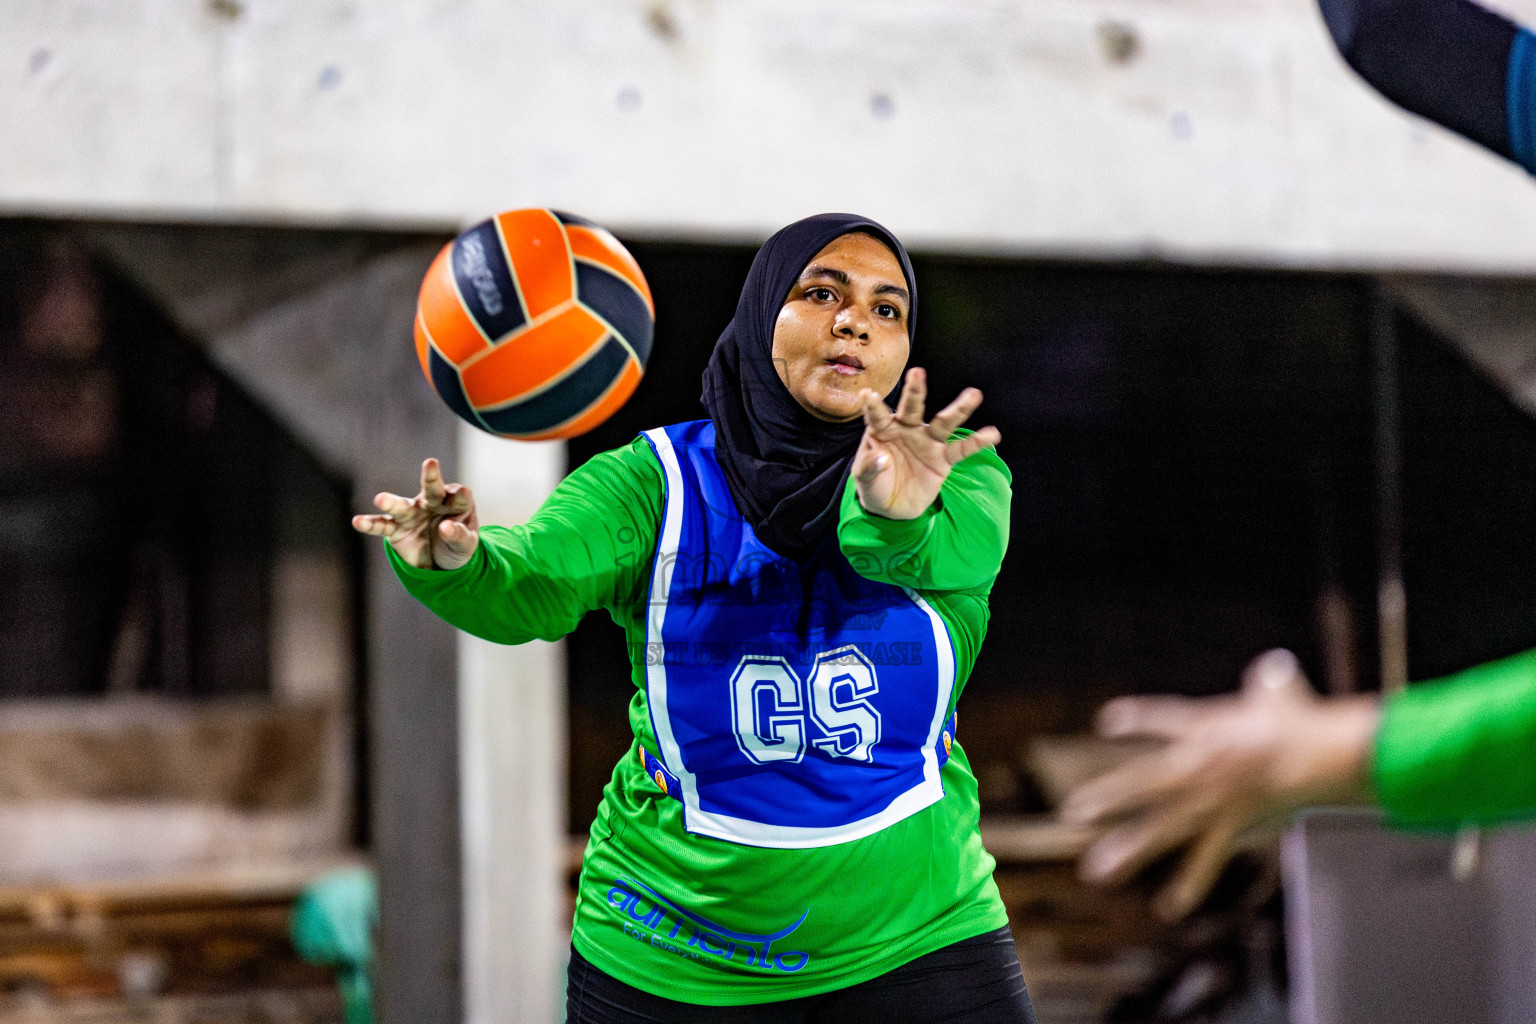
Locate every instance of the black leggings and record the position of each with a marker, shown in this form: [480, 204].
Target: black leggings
[974, 981]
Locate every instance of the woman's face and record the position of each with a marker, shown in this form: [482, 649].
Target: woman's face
[843, 328]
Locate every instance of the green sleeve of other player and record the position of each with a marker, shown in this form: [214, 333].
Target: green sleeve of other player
[587, 547]
[1461, 750]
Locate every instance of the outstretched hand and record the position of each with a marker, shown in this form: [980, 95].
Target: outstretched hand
[902, 461]
[1230, 763]
[436, 529]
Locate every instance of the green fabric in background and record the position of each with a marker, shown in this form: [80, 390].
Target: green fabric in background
[332, 925]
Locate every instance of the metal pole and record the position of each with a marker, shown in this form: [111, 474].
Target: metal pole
[1391, 599]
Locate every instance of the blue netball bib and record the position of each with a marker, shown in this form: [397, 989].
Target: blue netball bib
[797, 703]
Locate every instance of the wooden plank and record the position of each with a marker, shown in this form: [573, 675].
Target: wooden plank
[245, 883]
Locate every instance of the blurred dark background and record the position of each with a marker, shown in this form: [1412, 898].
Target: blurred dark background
[143, 493]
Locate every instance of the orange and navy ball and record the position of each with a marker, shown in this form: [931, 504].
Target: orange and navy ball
[534, 324]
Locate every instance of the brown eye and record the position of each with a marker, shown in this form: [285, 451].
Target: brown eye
[888, 311]
[820, 294]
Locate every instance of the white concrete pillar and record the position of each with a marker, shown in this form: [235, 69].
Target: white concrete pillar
[512, 736]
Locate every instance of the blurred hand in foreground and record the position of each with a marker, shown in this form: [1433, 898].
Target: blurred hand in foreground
[1231, 762]
[436, 529]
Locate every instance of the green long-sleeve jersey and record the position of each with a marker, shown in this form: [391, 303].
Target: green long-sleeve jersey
[684, 916]
[1461, 750]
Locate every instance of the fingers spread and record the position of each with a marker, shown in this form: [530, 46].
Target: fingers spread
[375, 526]
[1275, 672]
[1200, 868]
[1160, 776]
[963, 448]
[914, 397]
[868, 461]
[1125, 850]
[394, 504]
[1168, 717]
[456, 535]
[432, 481]
[955, 413]
[988, 437]
[877, 415]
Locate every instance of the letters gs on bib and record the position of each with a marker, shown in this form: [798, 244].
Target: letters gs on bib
[772, 708]
[534, 324]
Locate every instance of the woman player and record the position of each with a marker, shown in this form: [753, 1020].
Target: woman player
[803, 581]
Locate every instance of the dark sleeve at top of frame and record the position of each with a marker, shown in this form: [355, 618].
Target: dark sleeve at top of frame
[1451, 61]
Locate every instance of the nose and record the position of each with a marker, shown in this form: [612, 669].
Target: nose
[851, 323]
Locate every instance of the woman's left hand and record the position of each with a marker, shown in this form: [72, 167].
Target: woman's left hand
[902, 461]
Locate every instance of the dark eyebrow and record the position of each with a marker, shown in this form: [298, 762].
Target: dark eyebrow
[837, 275]
[841, 278]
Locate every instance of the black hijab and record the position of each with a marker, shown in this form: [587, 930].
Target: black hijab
[785, 468]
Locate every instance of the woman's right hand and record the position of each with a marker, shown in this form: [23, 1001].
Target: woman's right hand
[436, 529]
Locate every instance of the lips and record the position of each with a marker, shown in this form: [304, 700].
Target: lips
[846, 364]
